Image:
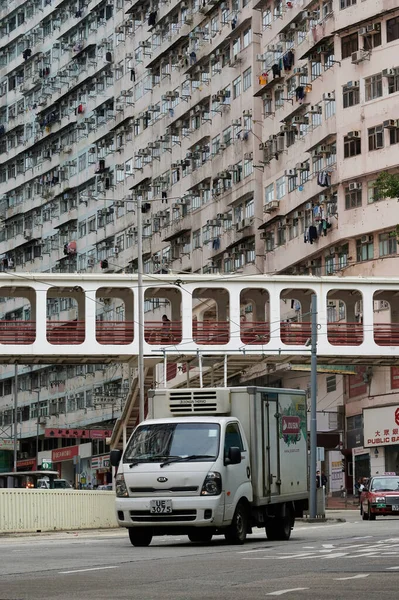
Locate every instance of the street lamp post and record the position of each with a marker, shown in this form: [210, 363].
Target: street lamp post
[140, 292]
[15, 416]
[37, 428]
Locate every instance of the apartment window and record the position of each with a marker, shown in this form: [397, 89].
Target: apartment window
[393, 84]
[365, 248]
[227, 136]
[280, 188]
[376, 137]
[353, 199]
[196, 239]
[315, 70]
[247, 79]
[352, 146]
[346, 3]
[266, 18]
[248, 167]
[82, 229]
[236, 46]
[291, 184]
[373, 194]
[278, 99]
[329, 265]
[280, 236]
[387, 243]
[249, 209]
[82, 162]
[394, 136]
[393, 29]
[349, 44]
[350, 96]
[329, 109]
[373, 87]
[373, 40]
[247, 37]
[237, 87]
[269, 193]
[331, 383]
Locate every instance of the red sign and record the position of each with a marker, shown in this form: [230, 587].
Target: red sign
[291, 425]
[397, 416]
[30, 462]
[64, 453]
[97, 434]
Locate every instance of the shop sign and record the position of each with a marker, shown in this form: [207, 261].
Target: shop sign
[93, 434]
[100, 462]
[7, 444]
[29, 462]
[381, 426]
[64, 454]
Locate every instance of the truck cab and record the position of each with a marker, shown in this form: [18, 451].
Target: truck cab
[190, 472]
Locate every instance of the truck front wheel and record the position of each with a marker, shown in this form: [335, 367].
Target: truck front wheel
[237, 531]
[140, 536]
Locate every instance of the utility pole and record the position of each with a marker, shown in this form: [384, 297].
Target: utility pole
[37, 429]
[313, 410]
[140, 292]
[15, 416]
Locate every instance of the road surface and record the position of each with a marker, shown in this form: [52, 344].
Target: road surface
[354, 560]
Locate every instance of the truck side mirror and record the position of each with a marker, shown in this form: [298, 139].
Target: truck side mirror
[233, 456]
[115, 457]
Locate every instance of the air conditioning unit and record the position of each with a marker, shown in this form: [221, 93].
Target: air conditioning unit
[67, 149]
[309, 15]
[302, 166]
[366, 238]
[325, 149]
[328, 96]
[390, 124]
[27, 234]
[315, 109]
[353, 134]
[271, 206]
[355, 185]
[352, 84]
[115, 250]
[300, 71]
[388, 72]
[362, 31]
[260, 57]
[90, 261]
[300, 120]
[290, 173]
[373, 28]
[359, 56]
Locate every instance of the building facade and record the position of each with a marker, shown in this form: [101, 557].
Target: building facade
[250, 133]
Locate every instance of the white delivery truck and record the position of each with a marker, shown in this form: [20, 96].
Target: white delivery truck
[212, 461]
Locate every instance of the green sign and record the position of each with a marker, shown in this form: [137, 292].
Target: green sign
[47, 465]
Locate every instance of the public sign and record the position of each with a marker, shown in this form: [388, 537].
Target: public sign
[7, 444]
[89, 434]
[381, 426]
[47, 465]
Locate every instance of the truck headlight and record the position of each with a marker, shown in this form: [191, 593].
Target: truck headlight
[212, 485]
[380, 499]
[120, 487]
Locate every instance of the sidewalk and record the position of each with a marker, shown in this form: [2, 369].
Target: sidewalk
[338, 503]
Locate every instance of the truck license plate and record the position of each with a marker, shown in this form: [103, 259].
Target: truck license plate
[395, 506]
[160, 506]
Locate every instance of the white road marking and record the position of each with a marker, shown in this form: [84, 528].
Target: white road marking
[360, 576]
[336, 555]
[392, 568]
[363, 537]
[328, 546]
[85, 570]
[281, 592]
[257, 550]
[308, 547]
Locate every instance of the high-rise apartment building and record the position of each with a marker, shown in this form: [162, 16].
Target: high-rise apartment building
[251, 132]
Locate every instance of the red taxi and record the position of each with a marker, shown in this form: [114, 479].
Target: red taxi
[380, 497]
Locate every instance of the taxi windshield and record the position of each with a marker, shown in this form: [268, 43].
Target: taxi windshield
[385, 484]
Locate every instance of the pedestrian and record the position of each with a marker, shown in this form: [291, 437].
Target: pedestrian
[166, 325]
[323, 479]
[318, 479]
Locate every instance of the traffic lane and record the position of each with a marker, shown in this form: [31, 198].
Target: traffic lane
[76, 552]
[194, 578]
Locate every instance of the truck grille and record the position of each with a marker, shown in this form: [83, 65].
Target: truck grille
[144, 516]
[163, 491]
[391, 500]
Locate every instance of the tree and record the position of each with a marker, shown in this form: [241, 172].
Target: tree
[387, 185]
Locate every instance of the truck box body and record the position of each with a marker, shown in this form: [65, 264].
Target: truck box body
[275, 425]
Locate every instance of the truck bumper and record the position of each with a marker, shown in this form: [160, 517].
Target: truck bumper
[196, 511]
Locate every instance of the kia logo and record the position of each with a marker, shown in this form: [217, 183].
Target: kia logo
[162, 479]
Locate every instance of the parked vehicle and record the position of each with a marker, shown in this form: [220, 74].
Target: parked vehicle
[380, 497]
[28, 479]
[215, 461]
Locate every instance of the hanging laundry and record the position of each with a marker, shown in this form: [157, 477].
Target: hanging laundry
[323, 179]
[311, 234]
[276, 70]
[300, 93]
[108, 56]
[262, 79]
[2, 129]
[234, 23]
[193, 58]
[164, 197]
[26, 53]
[216, 244]
[288, 60]
[78, 14]
[132, 75]
[152, 17]
[104, 264]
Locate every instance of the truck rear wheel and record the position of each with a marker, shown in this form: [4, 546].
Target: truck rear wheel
[200, 535]
[140, 536]
[237, 532]
[280, 528]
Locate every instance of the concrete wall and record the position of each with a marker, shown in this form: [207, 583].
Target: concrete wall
[55, 510]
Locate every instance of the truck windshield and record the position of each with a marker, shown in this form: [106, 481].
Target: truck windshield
[162, 441]
[390, 484]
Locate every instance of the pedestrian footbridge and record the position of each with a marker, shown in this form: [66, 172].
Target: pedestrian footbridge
[238, 316]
